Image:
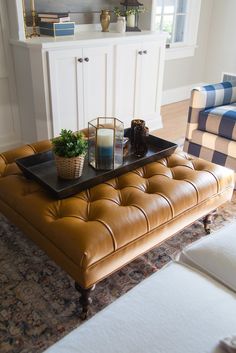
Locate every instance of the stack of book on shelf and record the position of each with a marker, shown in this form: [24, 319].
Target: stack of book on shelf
[56, 24]
[54, 17]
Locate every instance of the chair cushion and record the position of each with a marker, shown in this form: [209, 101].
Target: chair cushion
[177, 310]
[219, 121]
[215, 255]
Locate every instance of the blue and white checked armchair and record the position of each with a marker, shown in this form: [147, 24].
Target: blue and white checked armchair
[211, 128]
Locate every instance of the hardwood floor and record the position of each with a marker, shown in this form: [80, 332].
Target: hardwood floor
[174, 118]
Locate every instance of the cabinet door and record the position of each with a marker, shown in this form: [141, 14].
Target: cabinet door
[127, 81]
[150, 85]
[98, 83]
[138, 82]
[81, 83]
[66, 83]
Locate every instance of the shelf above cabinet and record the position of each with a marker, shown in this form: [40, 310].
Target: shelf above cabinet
[45, 42]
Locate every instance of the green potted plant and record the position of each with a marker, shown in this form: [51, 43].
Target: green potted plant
[130, 13]
[69, 150]
[117, 12]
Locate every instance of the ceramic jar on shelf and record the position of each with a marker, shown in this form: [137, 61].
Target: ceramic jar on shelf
[121, 24]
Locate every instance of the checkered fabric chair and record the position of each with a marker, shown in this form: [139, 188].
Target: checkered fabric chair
[211, 128]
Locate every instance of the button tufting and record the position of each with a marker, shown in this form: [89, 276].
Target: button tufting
[53, 214]
[99, 229]
[147, 191]
[139, 172]
[31, 189]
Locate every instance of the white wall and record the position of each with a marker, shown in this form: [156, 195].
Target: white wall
[72, 5]
[221, 51]
[82, 11]
[15, 18]
[9, 114]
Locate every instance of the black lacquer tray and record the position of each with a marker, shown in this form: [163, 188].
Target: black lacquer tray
[41, 167]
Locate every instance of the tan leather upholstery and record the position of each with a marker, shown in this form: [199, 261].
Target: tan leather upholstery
[95, 232]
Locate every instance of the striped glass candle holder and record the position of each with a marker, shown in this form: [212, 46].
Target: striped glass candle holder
[105, 138]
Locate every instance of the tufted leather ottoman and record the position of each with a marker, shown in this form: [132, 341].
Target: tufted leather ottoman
[99, 230]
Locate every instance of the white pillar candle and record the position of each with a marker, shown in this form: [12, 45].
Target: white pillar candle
[104, 150]
[131, 20]
[105, 137]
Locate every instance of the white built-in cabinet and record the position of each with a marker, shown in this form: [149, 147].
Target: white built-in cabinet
[66, 83]
[81, 84]
[138, 82]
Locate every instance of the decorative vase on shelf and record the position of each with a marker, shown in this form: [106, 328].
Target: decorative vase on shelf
[121, 24]
[105, 20]
[131, 20]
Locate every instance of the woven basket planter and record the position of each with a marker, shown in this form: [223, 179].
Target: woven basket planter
[69, 168]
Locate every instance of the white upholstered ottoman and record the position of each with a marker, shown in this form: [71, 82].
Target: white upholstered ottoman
[215, 255]
[178, 309]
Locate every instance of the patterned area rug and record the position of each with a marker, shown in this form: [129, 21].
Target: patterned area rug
[39, 304]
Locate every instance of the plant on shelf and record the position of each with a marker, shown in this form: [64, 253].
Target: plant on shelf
[69, 150]
[130, 14]
[118, 12]
[133, 11]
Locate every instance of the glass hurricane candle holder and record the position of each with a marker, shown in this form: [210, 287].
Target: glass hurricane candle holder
[132, 8]
[105, 138]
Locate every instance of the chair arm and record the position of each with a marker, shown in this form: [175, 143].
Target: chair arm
[208, 96]
[211, 96]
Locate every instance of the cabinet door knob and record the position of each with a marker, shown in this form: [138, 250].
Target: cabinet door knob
[140, 52]
[86, 59]
[145, 52]
[80, 60]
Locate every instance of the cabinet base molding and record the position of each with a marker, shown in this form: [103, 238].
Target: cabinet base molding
[178, 94]
[154, 124]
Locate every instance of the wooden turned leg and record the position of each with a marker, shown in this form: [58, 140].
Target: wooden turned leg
[207, 221]
[84, 300]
